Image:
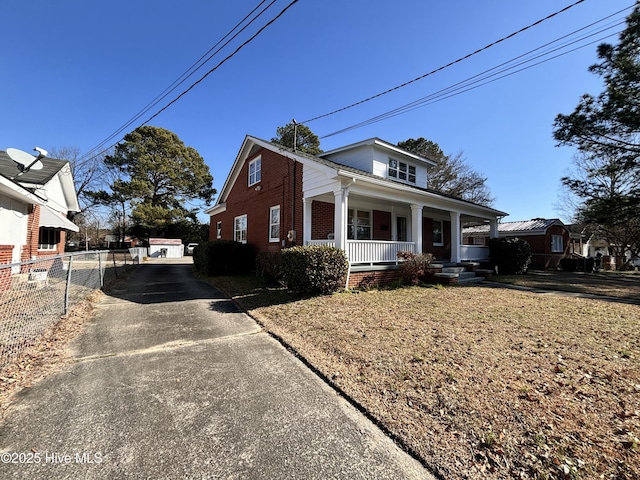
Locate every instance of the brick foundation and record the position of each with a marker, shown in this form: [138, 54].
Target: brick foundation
[373, 278]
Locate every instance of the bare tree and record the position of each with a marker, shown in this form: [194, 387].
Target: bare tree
[88, 173]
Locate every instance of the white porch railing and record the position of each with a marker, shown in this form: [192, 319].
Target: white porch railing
[474, 252]
[370, 251]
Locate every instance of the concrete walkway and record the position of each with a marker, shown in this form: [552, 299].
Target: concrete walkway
[171, 381]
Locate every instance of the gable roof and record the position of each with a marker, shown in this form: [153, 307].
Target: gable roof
[535, 226]
[252, 144]
[377, 142]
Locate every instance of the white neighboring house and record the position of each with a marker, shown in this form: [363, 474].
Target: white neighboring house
[33, 209]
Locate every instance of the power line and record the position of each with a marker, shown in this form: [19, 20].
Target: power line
[269, 23]
[186, 74]
[444, 66]
[483, 79]
[448, 92]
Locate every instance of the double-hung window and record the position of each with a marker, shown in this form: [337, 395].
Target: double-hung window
[219, 230]
[274, 224]
[359, 225]
[557, 244]
[402, 171]
[48, 238]
[240, 229]
[255, 171]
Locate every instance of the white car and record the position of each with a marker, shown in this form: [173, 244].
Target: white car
[190, 248]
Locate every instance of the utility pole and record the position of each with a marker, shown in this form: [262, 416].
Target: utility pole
[295, 135]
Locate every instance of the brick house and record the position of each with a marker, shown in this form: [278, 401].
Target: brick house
[549, 239]
[370, 199]
[33, 209]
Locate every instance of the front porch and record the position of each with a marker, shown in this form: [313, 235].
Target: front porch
[375, 252]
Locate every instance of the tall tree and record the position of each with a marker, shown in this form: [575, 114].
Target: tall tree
[606, 131]
[158, 176]
[451, 175]
[305, 140]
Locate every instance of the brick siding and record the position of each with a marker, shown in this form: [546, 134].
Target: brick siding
[280, 184]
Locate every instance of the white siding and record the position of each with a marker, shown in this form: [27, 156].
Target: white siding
[13, 224]
[316, 181]
[360, 158]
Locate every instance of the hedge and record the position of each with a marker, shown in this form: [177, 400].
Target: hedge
[314, 269]
[510, 255]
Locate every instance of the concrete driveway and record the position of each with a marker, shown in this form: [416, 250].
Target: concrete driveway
[172, 381]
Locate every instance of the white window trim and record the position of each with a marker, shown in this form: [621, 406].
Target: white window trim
[441, 242]
[394, 173]
[271, 224]
[557, 241]
[351, 222]
[219, 230]
[257, 172]
[236, 230]
[48, 246]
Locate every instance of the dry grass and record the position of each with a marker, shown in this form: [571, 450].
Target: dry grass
[478, 382]
[47, 355]
[604, 283]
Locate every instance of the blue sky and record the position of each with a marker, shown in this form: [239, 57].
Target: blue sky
[74, 72]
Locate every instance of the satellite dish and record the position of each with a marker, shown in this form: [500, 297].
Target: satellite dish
[25, 161]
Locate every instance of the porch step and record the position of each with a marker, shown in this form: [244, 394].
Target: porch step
[460, 277]
[470, 280]
[454, 269]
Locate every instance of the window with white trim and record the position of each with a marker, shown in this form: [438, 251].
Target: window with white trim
[437, 233]
[402, 171]
[48, 238]
[219, 230]
[274, 224]
[557, 244]
[255, 171]
[240, 229]
[359, 225]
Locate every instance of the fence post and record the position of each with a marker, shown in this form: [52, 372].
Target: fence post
[100, 269]
[66, 291]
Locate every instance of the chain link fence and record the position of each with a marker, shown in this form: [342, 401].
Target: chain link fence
[36, 293]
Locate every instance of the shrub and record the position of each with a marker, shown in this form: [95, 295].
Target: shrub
[510, 255]
[569, 264]
[223, 257]
[314, 269]
[413, 269]
[269, 265]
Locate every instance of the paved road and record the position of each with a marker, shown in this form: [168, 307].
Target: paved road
[171, 381]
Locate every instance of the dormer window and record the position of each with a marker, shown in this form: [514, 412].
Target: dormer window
[402, 171]
[255, 171]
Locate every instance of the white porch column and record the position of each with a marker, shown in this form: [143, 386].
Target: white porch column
[416, 226]
[306, 216]
[455, 236]
[341, 211]
[493, 229]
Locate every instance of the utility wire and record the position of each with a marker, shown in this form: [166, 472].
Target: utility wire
[483, 76]
[448, 93]
[466, 85]
[197, 65]
[269, 23]
[444, 66]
